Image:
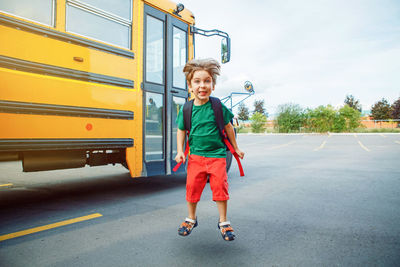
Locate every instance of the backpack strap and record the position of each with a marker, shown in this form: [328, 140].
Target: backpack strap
[187, 122]
[219, 118]
[230, 147]
[187, 115]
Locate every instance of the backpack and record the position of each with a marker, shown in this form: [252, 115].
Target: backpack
[219, 118]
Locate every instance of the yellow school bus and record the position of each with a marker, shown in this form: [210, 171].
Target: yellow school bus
[91, 82]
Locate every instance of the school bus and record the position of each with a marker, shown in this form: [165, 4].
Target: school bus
[91, 82]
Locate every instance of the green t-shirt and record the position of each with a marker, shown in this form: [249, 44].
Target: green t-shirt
[204, 139]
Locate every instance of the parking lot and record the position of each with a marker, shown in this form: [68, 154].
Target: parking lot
[306, 200]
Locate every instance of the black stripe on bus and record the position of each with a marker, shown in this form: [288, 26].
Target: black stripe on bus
[63, 144]
[60, 110]
[39, 68]
[65, 37]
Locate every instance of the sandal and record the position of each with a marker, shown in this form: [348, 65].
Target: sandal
[226, 231]
[187, 226]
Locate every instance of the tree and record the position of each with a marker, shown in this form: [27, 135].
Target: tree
[348, 119]
[243, 112]
[396, 110]
[258, 121]
[290, 118]
[259, 107]
[381, 110]
[353, 103]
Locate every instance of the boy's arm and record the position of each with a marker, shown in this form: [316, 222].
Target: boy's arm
[180, 138]
[231, 135]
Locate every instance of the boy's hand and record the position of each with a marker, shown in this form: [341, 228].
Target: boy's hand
[180, 156]
[240, 153]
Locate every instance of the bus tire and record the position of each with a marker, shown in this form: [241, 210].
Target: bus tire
[229, 157]
[228, 160]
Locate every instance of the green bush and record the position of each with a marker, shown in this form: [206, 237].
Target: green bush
[258, 121]
[290, 118]
[327, 119]
[321, 119]
[351, 118]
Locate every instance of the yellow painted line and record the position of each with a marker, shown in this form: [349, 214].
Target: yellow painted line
[364, 147]
[5, 185]
[321, 146]
[280, 146]
[383, 135]
[49, 226]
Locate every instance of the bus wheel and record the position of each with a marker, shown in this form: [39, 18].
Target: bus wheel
[125, 165]
[229, 157]
[228, 160]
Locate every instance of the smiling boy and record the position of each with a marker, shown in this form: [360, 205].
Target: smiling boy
[207, 157]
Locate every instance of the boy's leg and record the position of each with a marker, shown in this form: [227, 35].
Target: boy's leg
[222, 208]
[219, 186]
[192, 210]
[223, 224]
[195, 181]
[190, 222]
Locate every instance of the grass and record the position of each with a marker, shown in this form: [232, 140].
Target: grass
[248, 130]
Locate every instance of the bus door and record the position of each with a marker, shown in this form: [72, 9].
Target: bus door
[164, 88]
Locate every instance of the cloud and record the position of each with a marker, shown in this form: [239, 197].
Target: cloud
[307, 52]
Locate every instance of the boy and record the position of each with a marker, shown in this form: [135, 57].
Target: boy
[207, 150]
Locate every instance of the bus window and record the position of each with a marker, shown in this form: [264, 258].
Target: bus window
[120, 8]
[154, 50]
[100, 24]
[38, 11]
[179, 59]
[154, 126]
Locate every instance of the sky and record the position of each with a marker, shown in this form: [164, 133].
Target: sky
[309, 52]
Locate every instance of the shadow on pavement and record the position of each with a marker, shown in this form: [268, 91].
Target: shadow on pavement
[115, 188]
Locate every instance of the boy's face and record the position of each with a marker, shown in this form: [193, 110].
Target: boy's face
[201, 86]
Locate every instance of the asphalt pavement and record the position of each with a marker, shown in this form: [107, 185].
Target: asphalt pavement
[306, 200]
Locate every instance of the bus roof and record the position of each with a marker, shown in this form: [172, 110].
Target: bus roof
[169, 6]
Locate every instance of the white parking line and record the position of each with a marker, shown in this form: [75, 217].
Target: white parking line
[280, 146]
[321, 146]
[364, 147]
[397, 142]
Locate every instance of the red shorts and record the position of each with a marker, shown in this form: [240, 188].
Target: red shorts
[199, 168]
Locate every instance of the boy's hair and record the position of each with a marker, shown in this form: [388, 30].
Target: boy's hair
[210, 65]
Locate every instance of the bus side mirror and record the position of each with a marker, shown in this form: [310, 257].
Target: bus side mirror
[225, 50]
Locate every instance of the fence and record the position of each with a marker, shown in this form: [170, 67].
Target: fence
[378, 124]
